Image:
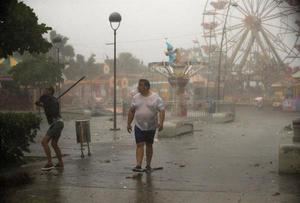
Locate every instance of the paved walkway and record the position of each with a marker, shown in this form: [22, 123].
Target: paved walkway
[233, 162]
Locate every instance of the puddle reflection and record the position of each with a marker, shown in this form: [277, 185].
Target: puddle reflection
[144, 188]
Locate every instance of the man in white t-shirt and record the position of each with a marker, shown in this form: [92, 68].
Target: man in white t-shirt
[145, 107]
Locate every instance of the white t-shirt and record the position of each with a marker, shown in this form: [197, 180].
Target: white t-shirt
[146, 109]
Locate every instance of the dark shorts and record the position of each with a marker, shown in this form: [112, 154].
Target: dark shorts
[144, 135]
[55, 129]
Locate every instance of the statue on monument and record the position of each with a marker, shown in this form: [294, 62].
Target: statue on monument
[175, 55]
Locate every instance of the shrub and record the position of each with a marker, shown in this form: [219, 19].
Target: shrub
[17, 130]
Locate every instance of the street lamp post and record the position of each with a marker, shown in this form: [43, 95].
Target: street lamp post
[57, 41]
[115, 19]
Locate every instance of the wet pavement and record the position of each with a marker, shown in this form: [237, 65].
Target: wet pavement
[232, 162]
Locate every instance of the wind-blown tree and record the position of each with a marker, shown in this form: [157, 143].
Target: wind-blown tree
[127, 63]
[37, 71]
[76, 69]
[80, 60]
[66, 51]
[267, 70]
[93, 68]
[72, 70]
[20, 30]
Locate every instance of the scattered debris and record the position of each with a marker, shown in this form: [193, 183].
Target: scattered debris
[105, 161]
[192, 148]
[135, 176]
[288, 127]
[276, 194]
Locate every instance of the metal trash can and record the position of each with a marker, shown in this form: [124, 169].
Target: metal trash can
[296, 128]
[83, 134]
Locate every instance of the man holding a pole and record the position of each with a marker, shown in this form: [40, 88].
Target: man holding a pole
[52, 112]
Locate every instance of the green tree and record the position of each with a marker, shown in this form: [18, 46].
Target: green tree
[73, 70]
[266, 70]
[66, 51]
[80, 67]
[37, 71]
[127, 63]
[76, 68]
[20, 30]
[93, 68]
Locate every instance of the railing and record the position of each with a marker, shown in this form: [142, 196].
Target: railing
[195, 111]
[201, 110]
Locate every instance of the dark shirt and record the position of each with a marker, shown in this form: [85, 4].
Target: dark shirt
[51, 107]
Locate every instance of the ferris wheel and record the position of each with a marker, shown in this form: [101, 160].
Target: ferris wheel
[242, 30]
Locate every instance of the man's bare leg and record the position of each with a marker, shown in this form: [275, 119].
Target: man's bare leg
[57, 150]
[46, 148]
[149, 153]
[139, 153]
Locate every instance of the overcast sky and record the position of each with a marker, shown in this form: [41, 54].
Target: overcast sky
[144, 27]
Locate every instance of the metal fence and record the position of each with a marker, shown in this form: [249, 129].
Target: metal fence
[200, 110]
